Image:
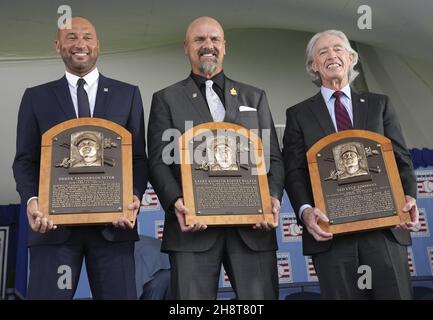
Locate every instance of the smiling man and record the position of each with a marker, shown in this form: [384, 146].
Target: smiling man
[78, 47]
[196, 251]
[82, 92]
[330, 63]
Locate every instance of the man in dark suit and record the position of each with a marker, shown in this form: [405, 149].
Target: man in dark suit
[196, 252]
[330, 62]
[57, 252]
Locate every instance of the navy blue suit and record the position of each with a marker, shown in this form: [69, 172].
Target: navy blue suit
[43, 107]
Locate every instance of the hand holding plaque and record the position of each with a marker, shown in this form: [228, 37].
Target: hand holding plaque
[355, 182]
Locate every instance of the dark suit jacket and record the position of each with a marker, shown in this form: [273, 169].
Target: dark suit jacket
[47, 105]
[309, 121]
[181, 102]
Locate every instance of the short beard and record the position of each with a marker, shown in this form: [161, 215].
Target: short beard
[80, 67]
[208, 68]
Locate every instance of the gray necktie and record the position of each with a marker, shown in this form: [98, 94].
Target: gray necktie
[82, 99]
[216, 107]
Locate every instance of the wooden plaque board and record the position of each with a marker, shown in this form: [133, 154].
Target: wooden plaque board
[76, 188]
[231, 191]
[355, 182]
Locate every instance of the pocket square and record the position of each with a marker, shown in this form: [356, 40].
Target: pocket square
[245, 108]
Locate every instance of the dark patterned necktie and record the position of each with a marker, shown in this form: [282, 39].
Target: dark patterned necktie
[82, 99]
[341, 115]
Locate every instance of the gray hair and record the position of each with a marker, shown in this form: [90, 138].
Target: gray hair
[310, 55]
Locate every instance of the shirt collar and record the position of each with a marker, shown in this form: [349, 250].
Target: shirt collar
[218, 79]
[90, 78]
[327, 93]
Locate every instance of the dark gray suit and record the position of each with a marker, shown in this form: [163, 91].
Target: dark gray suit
[308, 122]
[181, 102]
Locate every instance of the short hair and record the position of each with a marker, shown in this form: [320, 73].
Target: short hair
[310, 55]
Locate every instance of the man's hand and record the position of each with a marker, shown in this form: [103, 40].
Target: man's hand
[124, 223]
[180, 210]
[412, 208]
[311, 216]
[275, 203]
[36, 219]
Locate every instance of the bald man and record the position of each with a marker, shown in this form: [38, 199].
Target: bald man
[196, 251]
[109, 250]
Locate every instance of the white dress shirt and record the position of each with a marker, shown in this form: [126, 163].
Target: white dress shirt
[346, 100]
[91, 88]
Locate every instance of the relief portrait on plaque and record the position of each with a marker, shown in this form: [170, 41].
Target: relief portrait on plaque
[350, 160]
[223, 153]
[86, 149]
[87, 152]
[351, 163]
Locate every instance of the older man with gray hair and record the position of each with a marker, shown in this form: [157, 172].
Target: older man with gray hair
[330, 61]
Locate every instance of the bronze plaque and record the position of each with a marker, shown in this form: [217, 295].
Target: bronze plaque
[86, 172]
[355, 181]
[223, 175]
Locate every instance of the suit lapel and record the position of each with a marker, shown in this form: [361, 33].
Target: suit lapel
[321, 113]
[61, 90]
[231, 92]
[102, 97]
[360, 110]
[197, 100]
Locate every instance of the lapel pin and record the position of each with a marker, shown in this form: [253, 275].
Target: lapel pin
[362, 100]
[233, 92]
[105, 89]
[194, 95]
